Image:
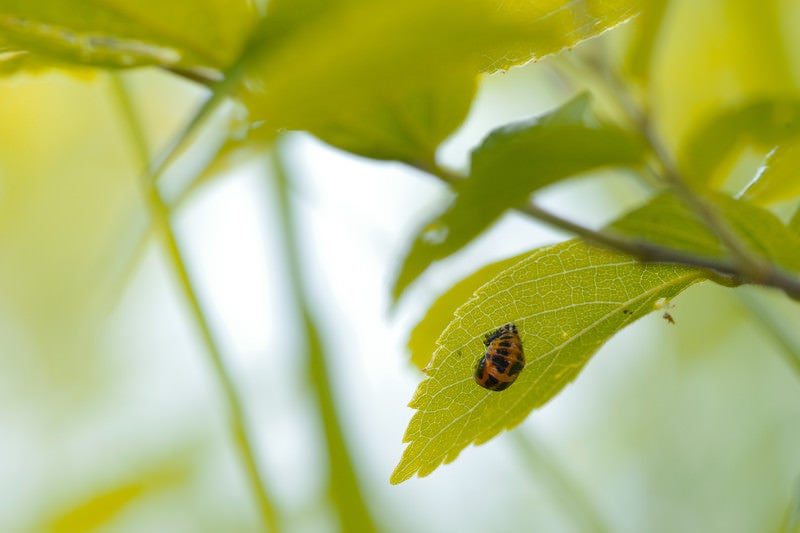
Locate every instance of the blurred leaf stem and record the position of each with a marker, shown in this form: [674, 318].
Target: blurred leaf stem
[546, 468]
[343, 485]
[769, 321]
[160, 218]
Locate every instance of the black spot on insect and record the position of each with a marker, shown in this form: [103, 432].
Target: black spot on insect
[500, 363]
[491, 382]
[503, 350]
[516, 368]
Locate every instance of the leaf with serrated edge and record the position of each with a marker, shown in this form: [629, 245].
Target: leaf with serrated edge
[566, 300]
[392, 80]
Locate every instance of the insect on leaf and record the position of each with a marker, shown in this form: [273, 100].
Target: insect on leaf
[566, 301]
[423, 338]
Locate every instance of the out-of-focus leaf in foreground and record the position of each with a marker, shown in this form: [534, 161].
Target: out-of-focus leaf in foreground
[646, 31]
[98, 510]
[566, 300]
[710, 151]
[779, 178]
[382, 79]
[393, 79]
[513, 162]
[206, 34]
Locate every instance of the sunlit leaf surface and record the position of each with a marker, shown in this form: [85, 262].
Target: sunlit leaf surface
[566, 300]
[206, 34]
[393, 79]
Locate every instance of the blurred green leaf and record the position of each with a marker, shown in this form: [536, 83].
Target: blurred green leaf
[422, 340]
[391, 80]
[791, 523]
[552, 25]
[513, 162]
[98, 510]
[206, 34]
[646, 31]
[710, 151]
[779, 178]
[713, 56]
[794, 222]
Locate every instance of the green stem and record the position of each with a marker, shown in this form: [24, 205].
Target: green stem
[343, 485]
[722, 271]
[160, 217]
[566, 490]
[750, 264]
[789, 348]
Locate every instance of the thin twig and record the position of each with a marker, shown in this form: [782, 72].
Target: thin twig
[748, 261]
[722, 271]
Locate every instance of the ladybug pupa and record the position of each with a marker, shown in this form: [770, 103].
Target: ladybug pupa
[503, 360]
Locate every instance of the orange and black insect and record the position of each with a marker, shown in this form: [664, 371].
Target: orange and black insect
[504, 359]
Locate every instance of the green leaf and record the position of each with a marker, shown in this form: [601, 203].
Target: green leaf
[711, 150]
[391, 80]
[204, 35]
[513, 162]
[647, 28]
[97, 511]
[552, 25]
[566, 300]
[670, 223]
[422, 340]
[794, 222]
[779, 178]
